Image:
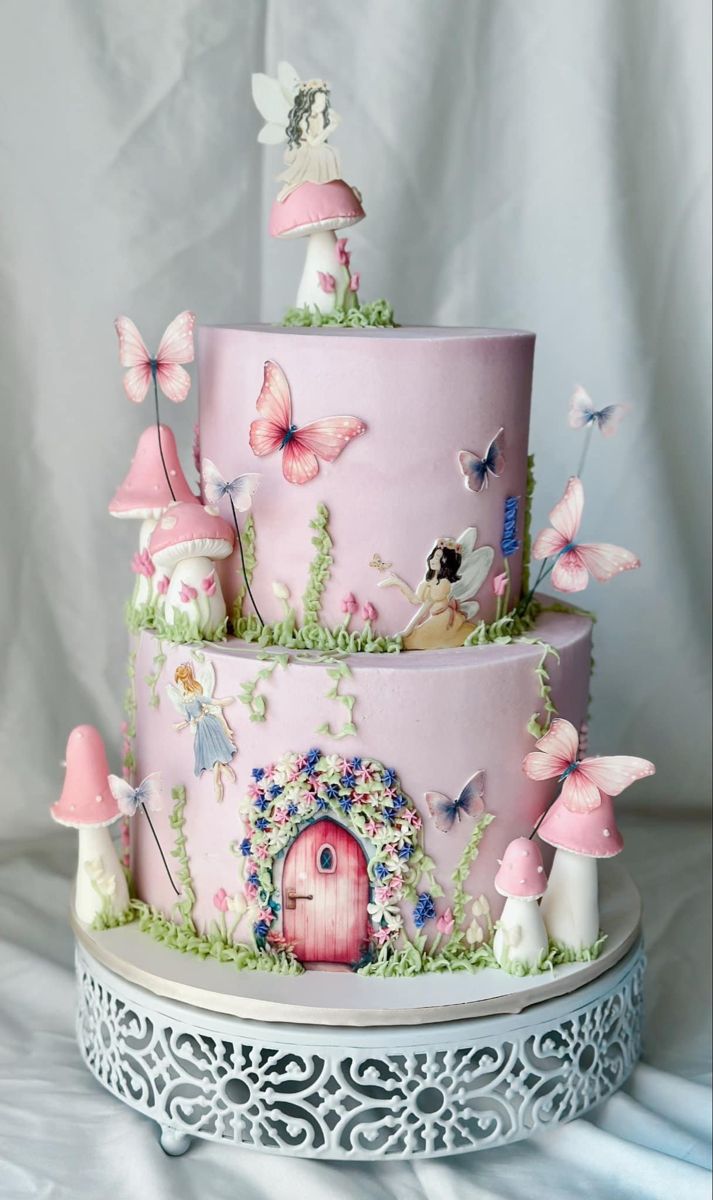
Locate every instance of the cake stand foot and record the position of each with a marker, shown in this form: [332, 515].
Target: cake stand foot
[173, 1142]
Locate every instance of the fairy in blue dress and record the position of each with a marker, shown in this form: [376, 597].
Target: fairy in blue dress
[213, 745]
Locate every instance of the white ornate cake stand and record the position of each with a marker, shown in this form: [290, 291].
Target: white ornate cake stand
[368, 1092]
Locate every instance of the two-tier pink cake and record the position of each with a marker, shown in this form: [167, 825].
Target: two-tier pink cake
[350, 708]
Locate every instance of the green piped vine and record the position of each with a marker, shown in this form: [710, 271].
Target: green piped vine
[319, 570]
[177, 821]
[249, 694]
[340, 672]
[153, 679]
[249, 541]
[527, 523]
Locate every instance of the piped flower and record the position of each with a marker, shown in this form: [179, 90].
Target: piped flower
[343, 255]
[425, 910]
[509, 542]
[327, 282]
[500, 583]
[445, 923]
[187, 593]
[368, 612]
[143, 564]
[220, 900]
[354, 282]
[163, 585]
[208, 584]
[350, 604]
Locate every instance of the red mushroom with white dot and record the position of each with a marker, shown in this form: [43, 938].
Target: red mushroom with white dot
[521, 938]
[185, 544]
[87, 804]
[143, 496]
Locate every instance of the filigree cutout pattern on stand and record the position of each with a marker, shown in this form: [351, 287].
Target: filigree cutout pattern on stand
[447, 1089]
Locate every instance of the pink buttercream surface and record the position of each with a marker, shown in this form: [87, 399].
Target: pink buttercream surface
[435, 717]
[424, 394]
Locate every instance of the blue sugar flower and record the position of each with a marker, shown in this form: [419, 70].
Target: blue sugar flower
[398, 802]
[245, 847]
[313, 757]
[389, 776]
[405, 852]
[262, 824]
[292, 809]
[254, 880]
[424, 911]
[261, 803]
[257, 773]
[262, 929]
[389, 814]
[332, 790]
[345, 803]
[348, 781]
[381, 871]
[321, 804]
[509, 542]
[275, 790]
[355, 764]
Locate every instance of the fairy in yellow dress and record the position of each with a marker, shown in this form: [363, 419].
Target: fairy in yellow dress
[445, 597]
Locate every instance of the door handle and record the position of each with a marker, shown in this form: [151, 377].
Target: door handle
[293, 896]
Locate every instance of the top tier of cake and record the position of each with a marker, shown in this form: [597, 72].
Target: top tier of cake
[397, 489]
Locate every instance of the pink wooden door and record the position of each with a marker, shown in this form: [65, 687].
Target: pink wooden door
[325, 891]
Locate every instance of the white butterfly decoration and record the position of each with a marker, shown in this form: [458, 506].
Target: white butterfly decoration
[130, 799]
[273, 99]
[582, 413]
[240, 490]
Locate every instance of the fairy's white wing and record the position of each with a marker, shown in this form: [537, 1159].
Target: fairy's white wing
[176, 699]
[205, 674]
[273, 100]
[475, 565]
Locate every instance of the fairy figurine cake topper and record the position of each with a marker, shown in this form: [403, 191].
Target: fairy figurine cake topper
[314, 201]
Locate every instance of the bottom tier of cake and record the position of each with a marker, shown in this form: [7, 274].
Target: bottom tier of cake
[316, 810]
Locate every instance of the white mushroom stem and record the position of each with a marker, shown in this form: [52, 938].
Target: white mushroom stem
[321, 256]
[521, 936]
[570, 907]
[206, 611]
[92, 895]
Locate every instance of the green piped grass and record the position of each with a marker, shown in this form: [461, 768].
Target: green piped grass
[291, 636]
[376, 314]
[107, 919]
[188, 941]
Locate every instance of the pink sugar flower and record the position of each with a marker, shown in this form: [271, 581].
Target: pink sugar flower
[327, 282]
[220, 900]
[266, 915]
[500, 583]
[343, 255]
[368, 612]
[143, 564]
[280, 816]
[124, 834]
[162, 585]
[251, 891]
[350, 604]
[354, 282]
[396, 885]
[208, 584]
[187, 592]
[412, 818]
[445, 922]
[372, 827]
[262, 851]
[382, 894]
[382, 935]
[391, 848]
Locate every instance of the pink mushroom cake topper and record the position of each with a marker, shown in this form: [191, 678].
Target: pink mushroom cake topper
[314, 201]
[186, 542]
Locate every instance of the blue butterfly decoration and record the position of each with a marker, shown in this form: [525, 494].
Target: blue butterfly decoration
[471, 802]
[582, 413]
[477, 470]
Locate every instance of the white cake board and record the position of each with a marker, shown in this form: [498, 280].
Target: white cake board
[329, 998]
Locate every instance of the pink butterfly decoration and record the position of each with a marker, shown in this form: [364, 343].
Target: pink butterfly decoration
[301, 448]
[175, 347]
[583, 781]
[575, 561]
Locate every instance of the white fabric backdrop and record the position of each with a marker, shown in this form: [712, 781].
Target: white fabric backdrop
[537, 164]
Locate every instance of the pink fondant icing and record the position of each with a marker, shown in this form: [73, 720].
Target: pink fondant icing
[314, 206]
[145, 492]
[435, 718]
[522, 872]
[423, 394]
[594, 833]
[86, 797]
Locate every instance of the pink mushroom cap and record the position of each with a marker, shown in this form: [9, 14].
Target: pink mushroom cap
[593, 834]
[86, 796]
[522, 874]
[188, 530]
[145, 492]
[313, 207]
